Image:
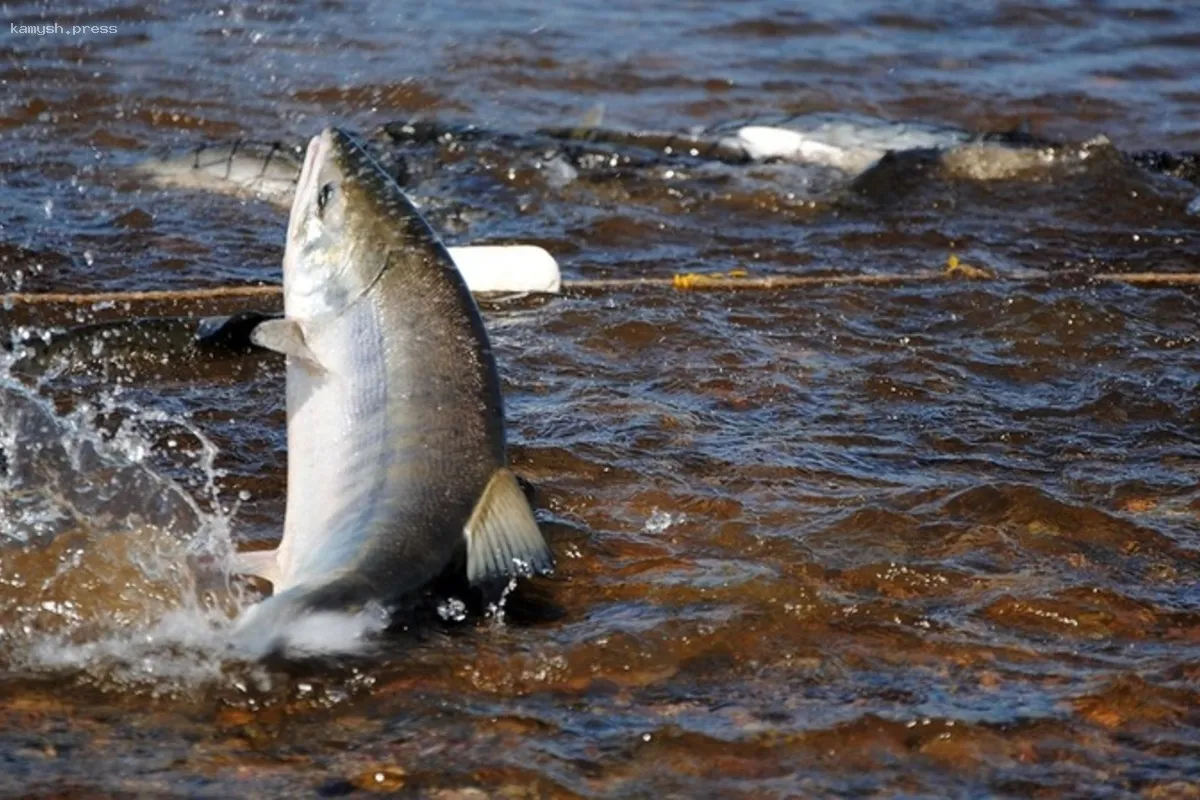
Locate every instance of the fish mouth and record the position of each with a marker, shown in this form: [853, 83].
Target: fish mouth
[306, 187]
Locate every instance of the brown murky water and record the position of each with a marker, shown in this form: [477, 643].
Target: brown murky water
[927, 541]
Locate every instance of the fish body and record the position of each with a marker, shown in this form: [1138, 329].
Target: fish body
[396, 440]
[265, 171]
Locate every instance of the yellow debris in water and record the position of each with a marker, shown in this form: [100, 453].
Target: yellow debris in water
[957, 268]
[694, 280]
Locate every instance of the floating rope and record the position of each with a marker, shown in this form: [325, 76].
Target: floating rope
[155, 296]
[734, 280]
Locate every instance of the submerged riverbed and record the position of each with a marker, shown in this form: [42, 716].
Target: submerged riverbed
[939, 539]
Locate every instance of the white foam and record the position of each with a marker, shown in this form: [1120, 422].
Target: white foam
[330, 633]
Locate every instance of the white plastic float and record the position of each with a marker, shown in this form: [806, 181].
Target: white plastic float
[507, 268]
[762, 142]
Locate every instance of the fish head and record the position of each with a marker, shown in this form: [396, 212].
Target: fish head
[346, 218]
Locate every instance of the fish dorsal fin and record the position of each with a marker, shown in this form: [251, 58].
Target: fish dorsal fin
[503, 539]
[262, 563]
[284, 336]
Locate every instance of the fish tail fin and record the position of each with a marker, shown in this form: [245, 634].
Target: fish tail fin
[503, 539]
[303, 622]
[262, 630]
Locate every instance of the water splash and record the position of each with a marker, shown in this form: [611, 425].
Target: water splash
[660, 521]
[496, 611]
[307, 634]
[108, 568]
[452, 609]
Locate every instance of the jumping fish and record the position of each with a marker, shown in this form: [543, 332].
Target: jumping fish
[396, 442]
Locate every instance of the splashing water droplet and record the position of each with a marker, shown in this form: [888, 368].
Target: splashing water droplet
[659, 521]
[496, 610]
[452, 609]
[99, 552]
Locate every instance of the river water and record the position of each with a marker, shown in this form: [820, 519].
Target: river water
[928, 540]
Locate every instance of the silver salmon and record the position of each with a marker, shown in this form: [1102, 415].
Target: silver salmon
[395, 424]
[264, 171]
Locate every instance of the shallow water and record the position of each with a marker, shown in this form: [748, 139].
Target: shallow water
[934, 540]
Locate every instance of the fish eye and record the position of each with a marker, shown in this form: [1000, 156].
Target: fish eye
[323, 196]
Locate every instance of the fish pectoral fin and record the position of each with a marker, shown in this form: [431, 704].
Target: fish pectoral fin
[232, 331]
[283, 336]
[262, 563]
[503, 539]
